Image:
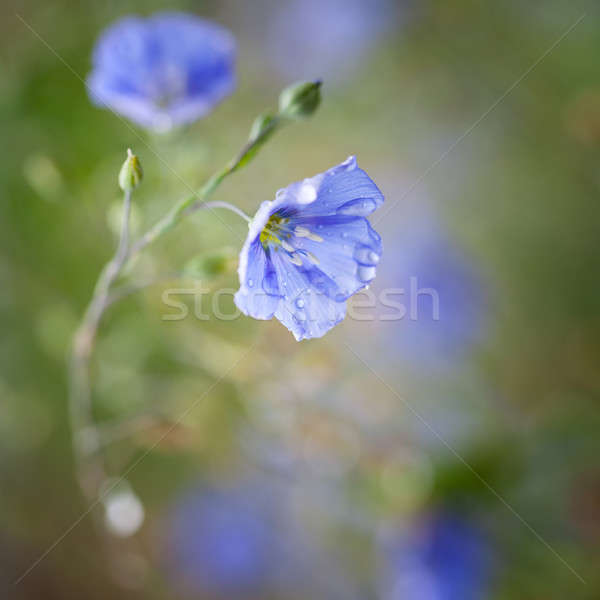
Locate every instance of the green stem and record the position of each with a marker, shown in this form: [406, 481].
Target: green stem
[80, 397]
[197, 200]
[86, 437]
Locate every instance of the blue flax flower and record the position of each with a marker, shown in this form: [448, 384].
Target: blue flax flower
[229, 540]
[446, 558]
[446, 291]
[309, 250]
[167, 70]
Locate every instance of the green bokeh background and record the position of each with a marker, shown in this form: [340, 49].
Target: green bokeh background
[520, 193]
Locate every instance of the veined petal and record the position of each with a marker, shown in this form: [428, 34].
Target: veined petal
[343, 190]
[347, 250]
[317, 250]
[306, 308]
[258, 295]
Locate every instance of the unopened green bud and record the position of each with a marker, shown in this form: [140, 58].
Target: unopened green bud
[131, 172]
[300, 100]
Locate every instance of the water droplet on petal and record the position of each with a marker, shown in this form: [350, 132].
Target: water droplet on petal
[300, 303]
[307, 193]
[250, 282]
[366, 273]
[366, 256]
[359, 207]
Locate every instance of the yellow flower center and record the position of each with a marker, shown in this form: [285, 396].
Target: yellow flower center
[271, 234]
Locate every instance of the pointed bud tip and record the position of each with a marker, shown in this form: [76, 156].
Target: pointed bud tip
[301, 99]
[131, 172]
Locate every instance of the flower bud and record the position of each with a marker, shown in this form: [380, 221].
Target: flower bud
[300, 100]
[131, 172]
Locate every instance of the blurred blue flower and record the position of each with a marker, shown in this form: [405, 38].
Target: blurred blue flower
[443, 292]
[310, 249]
[228, 541]
[327, 38]
[446, 558]
[167, 70]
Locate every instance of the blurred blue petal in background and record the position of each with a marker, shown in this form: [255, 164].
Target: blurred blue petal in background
[164, 71]
[444, 556]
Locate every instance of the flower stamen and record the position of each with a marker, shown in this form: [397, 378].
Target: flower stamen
[307, 233]
[273, 229]
[313, 259]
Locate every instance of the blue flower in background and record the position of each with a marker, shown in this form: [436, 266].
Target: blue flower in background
[443, 291]
[228, 541]
[447, 558]
[167, 70]
[327, 37]
[309, 250]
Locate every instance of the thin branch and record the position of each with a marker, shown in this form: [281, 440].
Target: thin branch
[80, 396]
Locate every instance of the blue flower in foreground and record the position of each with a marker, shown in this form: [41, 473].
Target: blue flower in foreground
[167, 70]
[309, 250]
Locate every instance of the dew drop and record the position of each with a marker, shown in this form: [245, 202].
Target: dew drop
[307, 194]
[359, 207]
[366, 256]
[250, 282]
[366, 273]
[300, 303]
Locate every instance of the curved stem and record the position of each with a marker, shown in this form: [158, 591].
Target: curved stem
[86, 437]
[197, 201]
[84, 433]
[219, 204]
